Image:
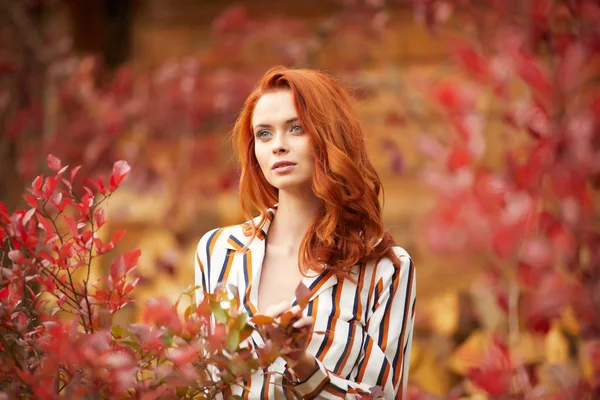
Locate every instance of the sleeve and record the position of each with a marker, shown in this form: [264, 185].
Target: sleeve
[201, 262]
[385, 355]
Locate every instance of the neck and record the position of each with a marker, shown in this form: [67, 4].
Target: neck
[295, 213]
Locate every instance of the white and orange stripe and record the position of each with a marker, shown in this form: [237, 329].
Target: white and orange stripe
[368, 323]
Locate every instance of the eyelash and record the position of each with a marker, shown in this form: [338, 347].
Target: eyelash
[259, 133]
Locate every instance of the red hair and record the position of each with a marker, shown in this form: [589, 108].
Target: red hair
[348, 229]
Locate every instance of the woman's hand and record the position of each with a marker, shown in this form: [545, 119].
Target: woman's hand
[290, 326]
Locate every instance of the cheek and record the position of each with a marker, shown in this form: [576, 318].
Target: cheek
[261, 156]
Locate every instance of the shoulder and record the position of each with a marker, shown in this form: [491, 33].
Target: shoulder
[227, 237]
[388, 268]
[216, 239]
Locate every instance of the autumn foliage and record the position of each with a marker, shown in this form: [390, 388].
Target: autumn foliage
[531, 219]
[57, 336]
[523, 84]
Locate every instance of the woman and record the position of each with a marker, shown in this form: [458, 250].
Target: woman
[304, 167]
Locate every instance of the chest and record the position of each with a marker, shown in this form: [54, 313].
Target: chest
[279, 277]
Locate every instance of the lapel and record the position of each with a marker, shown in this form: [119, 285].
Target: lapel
[250, 265]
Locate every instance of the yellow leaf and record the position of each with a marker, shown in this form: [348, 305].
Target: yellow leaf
[569, 322]
[262, 320]
[428, 372]
[557, 346]
[530, 348]
[469, 353]
[445, 311]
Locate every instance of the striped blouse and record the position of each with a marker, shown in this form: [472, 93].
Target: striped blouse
[367, 325]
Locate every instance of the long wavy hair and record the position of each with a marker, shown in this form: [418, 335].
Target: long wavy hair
[348, 229]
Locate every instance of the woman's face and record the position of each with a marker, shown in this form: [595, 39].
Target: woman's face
[282, 148]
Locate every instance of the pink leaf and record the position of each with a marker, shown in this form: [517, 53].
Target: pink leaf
[36, 185]
[120, 171]
[16, 256]
[28, 216]
[74, 171]
[100, 217]
[54, 163]
[62, 170]
[67, 184]
[117, 269]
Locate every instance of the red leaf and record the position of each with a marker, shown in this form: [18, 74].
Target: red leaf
[49, 186]
[54, 163]
[117, 237]
[67, 184]
[45, 256]
[100, 217]
[4, 213]
[537, 252]
[472, 61]
[117, 269]
[505, 242]
[130, 286]
[494, 373]
[490, 190]
[31, 201]
[458, 158]
[570, 67]
[552, 294]
[36, 185]
[74, 171]
[120, 171]
[86, 236]
[493, 381]
[262, 320]
[302, 295]
[531, 73]
[131, 260]
[528, 276]
[56, 200]
[72, 225]
[65, 251]
[99, 185]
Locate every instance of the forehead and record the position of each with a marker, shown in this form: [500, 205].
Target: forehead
[274, 107]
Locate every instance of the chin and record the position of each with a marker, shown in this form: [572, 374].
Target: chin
[290, 184]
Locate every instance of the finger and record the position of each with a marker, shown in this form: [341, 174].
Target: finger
[302, 322]
[276, 309]
[296, 310]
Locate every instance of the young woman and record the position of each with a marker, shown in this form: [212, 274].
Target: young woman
[304, 168]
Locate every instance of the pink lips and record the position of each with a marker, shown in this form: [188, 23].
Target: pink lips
[283, 166]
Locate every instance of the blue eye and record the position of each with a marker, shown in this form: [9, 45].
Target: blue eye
[297, 129]
[262, 134]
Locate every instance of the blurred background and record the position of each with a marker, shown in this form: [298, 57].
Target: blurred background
[159, 83]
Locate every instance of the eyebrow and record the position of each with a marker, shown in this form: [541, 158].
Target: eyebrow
[289, 121]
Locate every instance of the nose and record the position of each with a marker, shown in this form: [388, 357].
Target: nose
[279, 144]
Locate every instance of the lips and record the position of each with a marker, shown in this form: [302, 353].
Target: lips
[282, 164]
